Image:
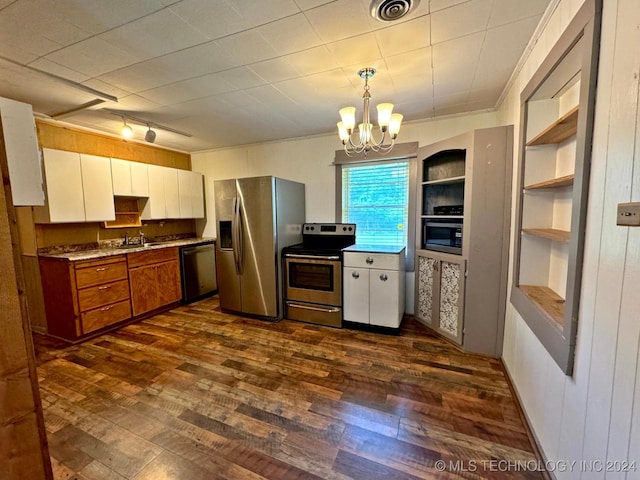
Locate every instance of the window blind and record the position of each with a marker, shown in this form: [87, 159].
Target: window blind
[376, 199]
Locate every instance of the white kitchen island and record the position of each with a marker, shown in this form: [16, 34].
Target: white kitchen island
[373, 286]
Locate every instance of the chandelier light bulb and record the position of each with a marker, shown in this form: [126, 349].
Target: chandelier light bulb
[394, 124]
[348, 116]
[384, 113]
[388, 122]
[342, 131]
[365, 132]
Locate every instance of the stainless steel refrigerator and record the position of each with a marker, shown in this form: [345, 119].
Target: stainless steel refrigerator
[256, 218]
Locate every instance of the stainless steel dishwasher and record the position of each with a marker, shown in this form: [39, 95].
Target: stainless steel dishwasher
[198, 265]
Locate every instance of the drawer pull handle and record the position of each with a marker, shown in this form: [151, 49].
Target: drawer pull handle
[384, 277]
[105, 309]
[102, 269]
[369, 260]
[104, 287]
[355, 275]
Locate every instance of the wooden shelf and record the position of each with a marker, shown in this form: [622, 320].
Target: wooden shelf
[549, 301]
[559, 182]
[559, 131]
[445, 181]
[124, 220]
[127, 213]
[561, 236]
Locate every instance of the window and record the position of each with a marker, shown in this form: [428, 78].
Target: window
[376, 198]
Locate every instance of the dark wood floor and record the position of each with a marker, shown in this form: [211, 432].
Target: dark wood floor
[196, 394]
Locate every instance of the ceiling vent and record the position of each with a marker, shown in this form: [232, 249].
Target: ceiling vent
[391, 10]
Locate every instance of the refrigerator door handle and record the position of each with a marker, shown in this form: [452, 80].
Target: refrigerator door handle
[234, 235]
[240, 240]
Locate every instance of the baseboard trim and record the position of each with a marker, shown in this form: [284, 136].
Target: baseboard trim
[533, 439]
[39, 329]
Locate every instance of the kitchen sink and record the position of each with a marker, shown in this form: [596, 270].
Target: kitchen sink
[130, 245]
[139, 245]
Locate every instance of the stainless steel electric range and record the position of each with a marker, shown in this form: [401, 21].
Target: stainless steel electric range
[313, 273]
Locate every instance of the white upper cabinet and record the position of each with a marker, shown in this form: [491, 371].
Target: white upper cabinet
[81, 187]
[155, 208]
[139, 179]
[130, 179]
[197, 189]
[185, 190]
[171, 192]
[121, 176]
[191, 194]
[97, 188]
[21, 148]
[63, 180]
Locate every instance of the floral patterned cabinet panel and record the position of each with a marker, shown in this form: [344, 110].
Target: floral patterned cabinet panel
[426, 275]
[450, 298]
[440, 293]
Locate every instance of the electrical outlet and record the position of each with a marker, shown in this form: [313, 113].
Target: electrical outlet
[629, 214]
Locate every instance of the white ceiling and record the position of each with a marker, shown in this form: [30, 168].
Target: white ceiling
[234, 72]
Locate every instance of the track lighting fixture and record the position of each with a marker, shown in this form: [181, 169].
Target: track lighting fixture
[126, 131]
[150, 136]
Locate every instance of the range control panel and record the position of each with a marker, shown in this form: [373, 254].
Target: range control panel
[329, 229]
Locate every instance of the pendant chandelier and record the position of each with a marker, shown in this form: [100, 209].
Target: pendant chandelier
[388, 122]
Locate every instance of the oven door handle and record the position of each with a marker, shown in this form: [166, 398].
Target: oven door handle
[312, 257]
[315, 309]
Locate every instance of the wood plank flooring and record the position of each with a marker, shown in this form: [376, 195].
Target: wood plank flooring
[197, 394]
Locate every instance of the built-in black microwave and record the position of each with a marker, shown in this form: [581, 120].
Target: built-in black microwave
[442, 235]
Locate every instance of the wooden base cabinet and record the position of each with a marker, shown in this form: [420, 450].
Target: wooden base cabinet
[82, 297]
[154, 279]
[440, 280]
[373, 288]
[85, 296]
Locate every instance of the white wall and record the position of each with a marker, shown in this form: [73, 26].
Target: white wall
[590, 416]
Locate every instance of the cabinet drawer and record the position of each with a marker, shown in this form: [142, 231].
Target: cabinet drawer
[385, 261]
[99, 273]
[148, 257]
[104, 316]
[100, 295]
[309, 312]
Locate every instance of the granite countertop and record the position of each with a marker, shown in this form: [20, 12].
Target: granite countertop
[113, 251]
[374, 248]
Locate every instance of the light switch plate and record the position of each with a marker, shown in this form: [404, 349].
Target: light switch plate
[629, 214]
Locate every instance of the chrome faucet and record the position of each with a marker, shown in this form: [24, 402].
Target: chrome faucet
[141, 237]
[126, 238]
